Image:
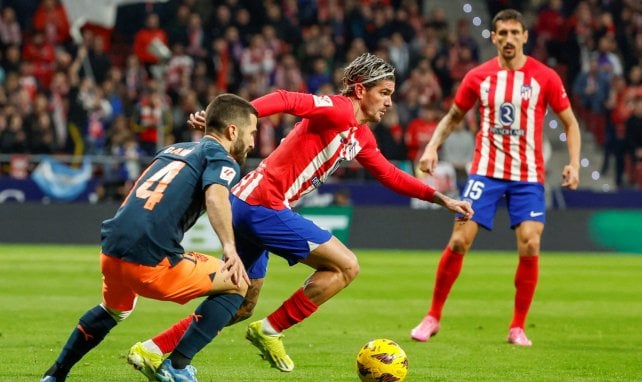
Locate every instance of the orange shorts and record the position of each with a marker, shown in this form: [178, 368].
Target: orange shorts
[123, 281]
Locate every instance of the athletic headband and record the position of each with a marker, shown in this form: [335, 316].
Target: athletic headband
[379, 77]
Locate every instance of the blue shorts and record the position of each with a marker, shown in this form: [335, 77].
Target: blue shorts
[259, 230]
[524, 200]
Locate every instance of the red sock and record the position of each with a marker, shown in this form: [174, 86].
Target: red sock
[292, 311]
[168, 339]
[525, 284]
[448, 270]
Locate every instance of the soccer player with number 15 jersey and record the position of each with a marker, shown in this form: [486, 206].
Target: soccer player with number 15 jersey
[513, 91]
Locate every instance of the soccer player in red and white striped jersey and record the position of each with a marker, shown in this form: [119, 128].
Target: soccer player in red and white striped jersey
[513, 92]
[333, 129]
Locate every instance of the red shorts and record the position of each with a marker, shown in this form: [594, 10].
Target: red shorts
[123, 281]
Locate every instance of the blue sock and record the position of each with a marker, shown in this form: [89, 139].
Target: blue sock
[210, 317]
[93, 326]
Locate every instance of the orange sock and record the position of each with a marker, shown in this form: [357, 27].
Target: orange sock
[448, 270]
[292, 311]
[167, 340]
[525, 284]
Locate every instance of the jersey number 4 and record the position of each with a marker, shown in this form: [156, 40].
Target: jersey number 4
[153, 188]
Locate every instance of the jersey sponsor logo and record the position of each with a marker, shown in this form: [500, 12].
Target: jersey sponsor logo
[507, 114]
[228, 174]
[322, 101]
[511, 132]
[536, 214]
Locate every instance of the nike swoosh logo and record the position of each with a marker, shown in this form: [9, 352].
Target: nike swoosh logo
[536, 214]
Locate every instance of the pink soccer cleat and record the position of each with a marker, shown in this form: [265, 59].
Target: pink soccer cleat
[427, 328]
[516, 336]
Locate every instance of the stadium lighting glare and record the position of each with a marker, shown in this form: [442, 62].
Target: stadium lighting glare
[606, 187]
[595, 175]
[553, 124]
[485, 34]
[467, 8]
[477, 21]
[584, 162]
[563, 137]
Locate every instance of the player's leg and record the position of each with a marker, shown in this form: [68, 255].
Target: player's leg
[194, 276]
[448, 270]
[526, 207]
[484, 195]
[118, 302]
[151, 351]
[335, 267]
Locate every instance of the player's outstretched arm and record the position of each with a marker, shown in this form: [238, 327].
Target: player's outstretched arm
[429, 158]
[454, 205]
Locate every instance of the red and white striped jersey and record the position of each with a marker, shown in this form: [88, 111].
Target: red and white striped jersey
[512, 106]
[327, 135]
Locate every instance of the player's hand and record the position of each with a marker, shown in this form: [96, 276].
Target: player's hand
[197, 120]
[457, 206]
[428, 160]
[235, 267]
[570, 177]
[460, 207]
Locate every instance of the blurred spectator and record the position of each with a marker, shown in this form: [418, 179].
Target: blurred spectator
[11, 59]
[389, 135]
[196, 39]
[258, 64]
[549, 31]
[634, 142]
[607, 59]
[99, 61]
[177, 28]
[220, 65]
[458, 150]
[10, 32]
[179, 71]
[13, 137]
[146, 38]
[420, 130]
[399, 53]
[320, 75]
[42, 55]
[618, 110]
[221, 21]
[152, 115]
[288, 76]
[590, 90]
[50, 19]
[423, 80]
[186, 104]
[135, 77]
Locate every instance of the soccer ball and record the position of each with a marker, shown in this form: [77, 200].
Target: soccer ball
[382, 360]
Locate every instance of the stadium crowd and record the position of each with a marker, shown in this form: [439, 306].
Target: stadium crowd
[113, 91]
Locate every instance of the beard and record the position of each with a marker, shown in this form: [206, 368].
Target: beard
[238, 151]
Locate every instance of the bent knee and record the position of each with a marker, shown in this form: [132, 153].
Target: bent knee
[350, 269]
[118, 315]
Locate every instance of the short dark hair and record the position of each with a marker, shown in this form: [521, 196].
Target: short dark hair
[508, 14]
[227, 109]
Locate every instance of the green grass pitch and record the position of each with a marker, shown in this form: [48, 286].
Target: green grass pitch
[585, 322]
